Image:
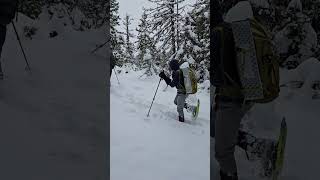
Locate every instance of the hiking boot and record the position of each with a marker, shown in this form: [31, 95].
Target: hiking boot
[228, 176]
[1, 76]
[181, 119]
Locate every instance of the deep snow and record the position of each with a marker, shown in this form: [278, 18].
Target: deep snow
[53, 122]
[156, 147]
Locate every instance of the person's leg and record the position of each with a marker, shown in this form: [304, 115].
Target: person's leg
[3, 31]
[227, 123]
[212, 112]
[180, 101]
[187, 106]
[212, 133]
[175, 100]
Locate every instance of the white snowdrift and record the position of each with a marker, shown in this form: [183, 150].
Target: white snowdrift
[53, 122]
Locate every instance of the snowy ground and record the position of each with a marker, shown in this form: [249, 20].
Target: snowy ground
[53, 122]
[302, 116]
[156, 147]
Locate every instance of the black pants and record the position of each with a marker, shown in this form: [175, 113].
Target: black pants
[3, 31]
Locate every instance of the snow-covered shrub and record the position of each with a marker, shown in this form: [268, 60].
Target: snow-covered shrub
[297, 40]
[29, 31]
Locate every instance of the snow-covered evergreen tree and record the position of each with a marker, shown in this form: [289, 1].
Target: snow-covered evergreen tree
[148, 56]
[31, 8]
[144, 39]
[297, 41]
[116, 38]
[128, 46]
[200, 20]
[195, 39]
[96, 11]
[165, 19]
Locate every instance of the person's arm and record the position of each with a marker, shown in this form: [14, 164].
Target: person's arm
[175, 78]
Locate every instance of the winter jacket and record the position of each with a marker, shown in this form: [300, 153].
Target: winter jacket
[178, 82]
[7, 11]
[177, 77]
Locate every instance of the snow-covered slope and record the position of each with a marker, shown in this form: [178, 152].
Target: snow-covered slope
[157, 147]
[53, 122]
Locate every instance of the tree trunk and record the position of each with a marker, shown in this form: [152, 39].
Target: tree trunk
[173, 31]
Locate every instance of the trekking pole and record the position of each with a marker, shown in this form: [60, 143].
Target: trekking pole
[24, 54]
[100, 46]
[116, 76]
[154, 97]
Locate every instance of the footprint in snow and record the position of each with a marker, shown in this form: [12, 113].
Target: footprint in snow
[137, 88]
[146, 119]
[132, 110]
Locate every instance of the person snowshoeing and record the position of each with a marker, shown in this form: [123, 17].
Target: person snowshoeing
[8, 10]
[178, 82]
[229, 102]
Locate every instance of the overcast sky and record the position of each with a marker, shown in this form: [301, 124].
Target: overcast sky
[135, 9]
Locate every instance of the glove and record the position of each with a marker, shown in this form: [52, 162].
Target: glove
[165, 77]
[162, 75]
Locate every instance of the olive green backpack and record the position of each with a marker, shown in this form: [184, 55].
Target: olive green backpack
[267, 61]
[190, 80]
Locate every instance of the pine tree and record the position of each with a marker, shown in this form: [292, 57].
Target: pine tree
[201, 24]
[129, 46]
[31, 8]
[144, 39]
[299, 33]
[116, 38]
[196, 39]
[114, 22]
[165, 19]
[95, 11]
[148, 56]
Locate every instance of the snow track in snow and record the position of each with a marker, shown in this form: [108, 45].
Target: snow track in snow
[156, 147]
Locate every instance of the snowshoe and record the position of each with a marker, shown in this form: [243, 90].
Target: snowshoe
[195, 112]
[278, 157]
[272, 164]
